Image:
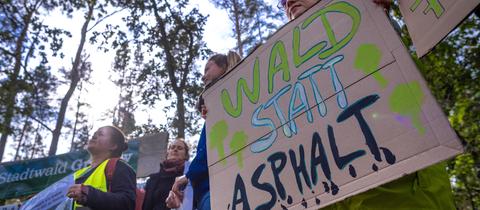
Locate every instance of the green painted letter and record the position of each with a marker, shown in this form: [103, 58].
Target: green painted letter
[338, 7]
[242, 85]
[299, 59]
[278, 49]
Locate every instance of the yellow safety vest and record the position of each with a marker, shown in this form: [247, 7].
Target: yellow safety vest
[97, 179]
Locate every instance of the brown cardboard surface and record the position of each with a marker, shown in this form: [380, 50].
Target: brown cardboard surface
[401, 128]
[429, 21]
[152, 150]
[346, 74]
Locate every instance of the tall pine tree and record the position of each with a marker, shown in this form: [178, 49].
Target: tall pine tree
[25, 45]
[171, 35]
[94, 13]
[253, 21]
[125, 71]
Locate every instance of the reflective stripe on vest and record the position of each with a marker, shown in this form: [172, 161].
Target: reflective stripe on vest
[97, 179]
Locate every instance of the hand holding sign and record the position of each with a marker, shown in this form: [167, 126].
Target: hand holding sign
[78, 192]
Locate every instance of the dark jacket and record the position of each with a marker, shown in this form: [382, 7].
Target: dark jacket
[198, 171]
[122, 195]
[157, 189]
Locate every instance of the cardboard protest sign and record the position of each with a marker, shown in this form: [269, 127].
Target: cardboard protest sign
[53, 197]
[152, 151]
[330, 106]
[429, 21]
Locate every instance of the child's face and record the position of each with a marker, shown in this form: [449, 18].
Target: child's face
[212, 72]
[294, 8]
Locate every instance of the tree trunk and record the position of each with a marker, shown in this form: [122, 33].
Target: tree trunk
[35, 140]
[238, 34]
[12, 87]
[20, 140]
[170, 66]
[180, 115]
[74, 132]
[75, 78]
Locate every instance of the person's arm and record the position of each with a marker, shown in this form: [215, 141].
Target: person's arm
[198, 169]
[122, 195]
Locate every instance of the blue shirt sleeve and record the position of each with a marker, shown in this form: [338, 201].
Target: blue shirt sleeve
[198, 170]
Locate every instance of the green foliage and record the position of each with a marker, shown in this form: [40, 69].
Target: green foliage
[171, 38]
[80, 128]
[148, 129]
[26, 44]
[126, 69]
[452, 70]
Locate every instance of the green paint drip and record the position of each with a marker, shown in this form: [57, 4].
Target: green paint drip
[406, 100]
[368, 60]
[217, 135]
[238, 142]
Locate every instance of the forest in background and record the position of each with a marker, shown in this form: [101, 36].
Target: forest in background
[158, 47]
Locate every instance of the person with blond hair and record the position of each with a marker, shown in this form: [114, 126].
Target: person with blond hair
[158, 186]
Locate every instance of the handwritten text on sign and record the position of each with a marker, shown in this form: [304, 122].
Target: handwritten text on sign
[321, 105]
[429, 21]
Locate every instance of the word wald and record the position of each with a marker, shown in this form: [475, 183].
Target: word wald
[279, 63]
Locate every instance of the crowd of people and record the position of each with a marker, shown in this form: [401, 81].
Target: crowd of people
[103, 186]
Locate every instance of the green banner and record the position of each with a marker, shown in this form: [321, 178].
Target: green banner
[31, 176]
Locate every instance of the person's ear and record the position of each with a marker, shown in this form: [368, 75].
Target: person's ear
[112, 148]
